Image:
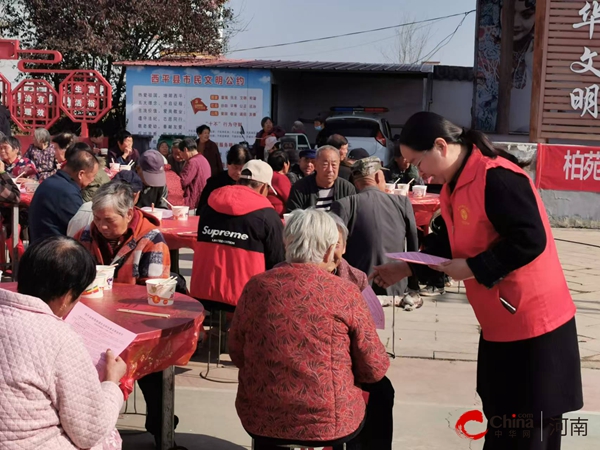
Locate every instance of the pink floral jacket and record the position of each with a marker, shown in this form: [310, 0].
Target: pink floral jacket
[50, 395]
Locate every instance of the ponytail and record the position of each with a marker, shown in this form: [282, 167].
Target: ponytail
[480, 140]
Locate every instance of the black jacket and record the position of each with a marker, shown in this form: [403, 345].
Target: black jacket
[212, 184]
[305, 192]
[153, 195]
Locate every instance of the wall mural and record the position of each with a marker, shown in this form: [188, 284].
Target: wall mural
[487, 65]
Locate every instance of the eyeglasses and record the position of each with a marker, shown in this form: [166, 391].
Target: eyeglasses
[417, 165]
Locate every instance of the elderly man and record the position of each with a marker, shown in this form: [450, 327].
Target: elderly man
[239, 236]
[124, 152]
[341, 143]
[57, 199]
[306, 347]
[378, 223]
[401, 170]
[304, 167]
[324, 186]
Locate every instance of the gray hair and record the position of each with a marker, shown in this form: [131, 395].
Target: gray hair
[308, 234]
[41, 135]
[325, 148]
[116, 195]
[341, 226]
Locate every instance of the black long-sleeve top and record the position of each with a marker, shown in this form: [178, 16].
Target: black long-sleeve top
[512, 209]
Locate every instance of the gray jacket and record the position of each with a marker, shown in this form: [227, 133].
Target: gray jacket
[378, 223]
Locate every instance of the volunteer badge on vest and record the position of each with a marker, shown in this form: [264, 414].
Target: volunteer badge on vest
[463, 213]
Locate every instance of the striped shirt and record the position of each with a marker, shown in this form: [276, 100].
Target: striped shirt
[325, 199]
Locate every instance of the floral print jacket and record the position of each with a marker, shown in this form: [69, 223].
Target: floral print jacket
[44, 160]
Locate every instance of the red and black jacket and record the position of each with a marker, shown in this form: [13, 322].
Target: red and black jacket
[239, 235]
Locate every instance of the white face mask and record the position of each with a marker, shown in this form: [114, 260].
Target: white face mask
[319, 127]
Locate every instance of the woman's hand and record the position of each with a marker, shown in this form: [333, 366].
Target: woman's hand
[2, 166]
[389, 274]
[115, 367]
[457, 269]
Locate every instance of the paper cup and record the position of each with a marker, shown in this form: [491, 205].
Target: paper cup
[419, 191]
[156, 213]
[109, 274]
[402, 189]
[286, 217]
[180, 212]
[104, 151]
[389, 188]
[96, 289]
[30, 186]
[160, 291]
[124, 167]
[115, 167]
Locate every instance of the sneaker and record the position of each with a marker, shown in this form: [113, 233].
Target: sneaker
[385, 300]
[449, 282]
[412, 300]
[431, 291]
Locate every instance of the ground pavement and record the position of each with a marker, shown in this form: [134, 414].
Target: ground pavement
[433, 372]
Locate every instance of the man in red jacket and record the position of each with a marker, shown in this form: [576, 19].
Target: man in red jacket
[239, 235]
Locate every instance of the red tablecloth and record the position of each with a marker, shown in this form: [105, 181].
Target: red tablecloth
[424, 208]
[160, 342]
[170, 229]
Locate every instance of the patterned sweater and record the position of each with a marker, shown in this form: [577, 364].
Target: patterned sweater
[142, 255]
[303, 340]
[50, 395]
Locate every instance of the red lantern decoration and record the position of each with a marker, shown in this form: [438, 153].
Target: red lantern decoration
[85, 97]
[34, 105]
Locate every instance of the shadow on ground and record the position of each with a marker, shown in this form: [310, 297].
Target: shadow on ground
[137, 440]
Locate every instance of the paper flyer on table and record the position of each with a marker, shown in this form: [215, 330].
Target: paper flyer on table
[98, 334]
[417, 258]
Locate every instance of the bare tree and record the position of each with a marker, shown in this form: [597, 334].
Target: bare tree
[409, 43]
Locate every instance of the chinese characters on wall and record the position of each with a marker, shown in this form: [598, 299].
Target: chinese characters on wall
[178, 100]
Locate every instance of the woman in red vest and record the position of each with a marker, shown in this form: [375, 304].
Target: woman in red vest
[499, 241]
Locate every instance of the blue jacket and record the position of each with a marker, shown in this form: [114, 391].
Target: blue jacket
[54, 203]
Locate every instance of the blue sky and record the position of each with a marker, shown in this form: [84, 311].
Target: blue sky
[270, 22]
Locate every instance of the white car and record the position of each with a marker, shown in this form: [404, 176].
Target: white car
[366, 131]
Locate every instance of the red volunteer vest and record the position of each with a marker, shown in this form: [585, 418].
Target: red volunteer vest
[538, 291]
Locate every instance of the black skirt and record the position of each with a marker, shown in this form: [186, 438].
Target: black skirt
[534, 376]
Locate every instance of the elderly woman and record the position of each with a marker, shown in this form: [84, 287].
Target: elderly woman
[268, 129]
[129, 238]
[41, 154]
[304, 342]
[52, 398]
[125, 236]
[14, 164]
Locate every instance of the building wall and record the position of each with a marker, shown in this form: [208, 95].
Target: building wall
[453, 100]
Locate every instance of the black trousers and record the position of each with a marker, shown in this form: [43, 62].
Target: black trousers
[152, 389]
[377, 428]
[544, 436]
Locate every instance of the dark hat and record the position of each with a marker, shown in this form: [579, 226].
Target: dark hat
[131, 178]
[308, 153]
[358, 153]
[152, 164]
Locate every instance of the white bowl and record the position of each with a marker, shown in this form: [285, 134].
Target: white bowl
[30, 186]
[419, 191]
[124, 167]
[180, 212]
[160, 291]
[402, 189]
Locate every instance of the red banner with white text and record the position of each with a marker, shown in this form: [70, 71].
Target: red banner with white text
[568, 168]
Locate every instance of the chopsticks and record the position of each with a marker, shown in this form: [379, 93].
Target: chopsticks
[168, 202]
[144, 313]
